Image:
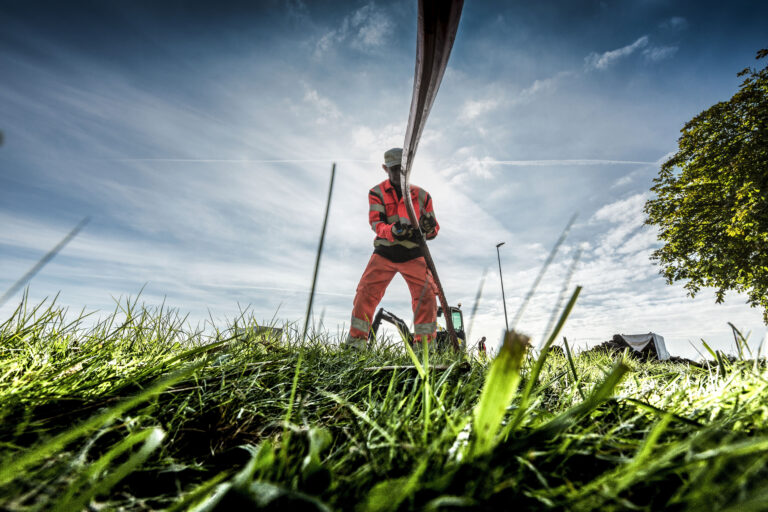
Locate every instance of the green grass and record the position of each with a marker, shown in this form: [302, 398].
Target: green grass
[139, 411]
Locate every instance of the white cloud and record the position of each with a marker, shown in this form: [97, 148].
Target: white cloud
[370, 27]
[366, 29]
[326, 42]
[642, 240]
[545, 84]
[623, 292]
[624, 180]
[627, 219]
[664, 158]
[231, 208]
[468, 169]
[674, 23]
[297, 10]
[603, 60]
[374, 140]
[475, 108]
[327, 110]
[539, 85]
[563, 162]
[652, 54]
[659, 53]
[363, 136]
[480, 168]
[622, 210]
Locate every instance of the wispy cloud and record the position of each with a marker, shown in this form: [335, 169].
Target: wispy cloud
[623, 292]
[475, 108]
[602, 61]
[326, 109]
[624, 180]
[622, 211]
[370, 139]
[606, 59]
[499, 98]
[674, 23]
[297, 9]
[545, 84]
[205, 168]
[659, 53]
[563, 162]
[468, 168]
[240, 160]
[364, 29]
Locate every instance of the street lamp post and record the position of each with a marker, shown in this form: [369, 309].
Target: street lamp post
[503, 298]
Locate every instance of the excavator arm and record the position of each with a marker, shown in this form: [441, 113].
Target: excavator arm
[395, 320]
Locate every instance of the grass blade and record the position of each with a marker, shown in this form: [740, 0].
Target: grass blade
[600, 393]
[16, 466]
[576, 380]
[152, 439]
[533, 377]
[500, 387]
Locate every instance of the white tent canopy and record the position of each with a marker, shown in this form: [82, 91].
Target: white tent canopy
[639, 341]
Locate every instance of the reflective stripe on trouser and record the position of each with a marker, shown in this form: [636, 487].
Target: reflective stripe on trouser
[425, 328]
[377, 276]
[360, 324]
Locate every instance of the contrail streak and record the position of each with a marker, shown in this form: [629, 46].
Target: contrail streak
[511, 163]
[238, 160]
[542, 163]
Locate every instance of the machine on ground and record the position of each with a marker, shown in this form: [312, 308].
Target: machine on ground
[442, 340]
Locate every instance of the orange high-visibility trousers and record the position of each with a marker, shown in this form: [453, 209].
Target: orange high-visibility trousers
[377, 276]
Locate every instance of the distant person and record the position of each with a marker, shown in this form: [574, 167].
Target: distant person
[481, 346]
[396, 249]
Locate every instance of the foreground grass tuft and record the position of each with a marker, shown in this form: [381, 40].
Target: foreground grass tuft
[140, 412]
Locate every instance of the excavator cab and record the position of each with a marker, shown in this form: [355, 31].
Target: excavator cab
[443, 340]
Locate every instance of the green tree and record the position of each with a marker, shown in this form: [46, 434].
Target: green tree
[711, 204]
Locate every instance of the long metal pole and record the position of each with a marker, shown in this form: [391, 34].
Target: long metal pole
[436, 31]
[503, 297]
[319, 254]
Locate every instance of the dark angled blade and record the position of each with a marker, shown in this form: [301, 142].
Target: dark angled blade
[561, 297]
[319, 255]
[543, 270]
[438, 23]
[45, 259]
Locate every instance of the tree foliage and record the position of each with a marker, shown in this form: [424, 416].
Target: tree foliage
[711, 204]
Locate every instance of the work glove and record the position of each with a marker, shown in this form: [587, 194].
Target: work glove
[428, 224]
[403, 231]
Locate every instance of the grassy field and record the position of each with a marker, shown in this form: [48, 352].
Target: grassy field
[141, 412]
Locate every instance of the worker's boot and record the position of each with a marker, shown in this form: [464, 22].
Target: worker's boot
[351, 343]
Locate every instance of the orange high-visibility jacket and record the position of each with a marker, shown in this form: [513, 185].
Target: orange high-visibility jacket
[385, 209]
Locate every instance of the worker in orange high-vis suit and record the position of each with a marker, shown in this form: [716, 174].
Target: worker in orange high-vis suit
[396, 249]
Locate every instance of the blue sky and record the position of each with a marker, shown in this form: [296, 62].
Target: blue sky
[200, 140]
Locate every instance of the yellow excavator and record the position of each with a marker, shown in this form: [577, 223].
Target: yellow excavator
[442, 339]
